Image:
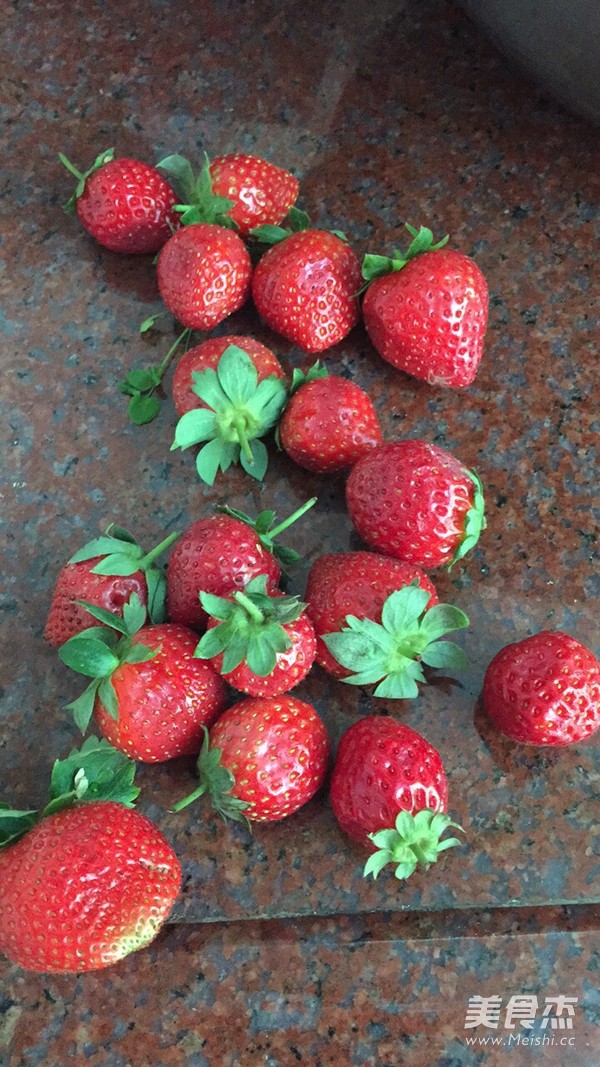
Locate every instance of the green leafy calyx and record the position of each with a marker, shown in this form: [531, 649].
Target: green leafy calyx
[141, 383]
[104, 157]
[390, 653]
[198, 202]
[422, 241]
[475, 521]
[217, 782]
[267, 533]
[272, 235]
[300, 377]
[415, 841]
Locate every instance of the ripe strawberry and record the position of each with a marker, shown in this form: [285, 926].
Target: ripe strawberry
[150, 697]
[105, 572]
[220, 555]
[426, 311]
[125, 204]
[415, 501]
[263, 759]
[206, 356]
[263, 645]
[329, 422]
[544, 690]
[305, 287]
[389, 792]
[203, 273]
[91, 880]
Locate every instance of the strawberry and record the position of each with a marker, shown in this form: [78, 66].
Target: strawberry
[328, 423]
[544, 690]
[126, 205]
[235, 411]
[87, 880]
[426, 310]
[219, 555]
[263, 645]
[203, 273]
[149, 695]
[105, 572]
[415, 501]
[206, 356]
[305, 287]
[263, 759]
[389, 792]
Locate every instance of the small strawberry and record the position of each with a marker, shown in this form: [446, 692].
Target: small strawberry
[544, 690]
[150, 696]
[415, 501]
[125, 204]
[426, 310]
[305, 287]
[263, 759]
[328, 423]
[206, 356]
[220, 554]
[262, 645]
[389, 792]
[235, 411]
[87, 880]
[203, 273]
[106, 572]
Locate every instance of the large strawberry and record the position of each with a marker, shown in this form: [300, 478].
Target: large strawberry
[125, 204]
[262, 645]
[220, 554]
[305, 287]
[263, 759]
[235, 410]
[389, 792]
[204, 273]
[417, 502]
[544, 690]
[206, 356]
[105, 572]
[87, 880]
[151, 698]
[328, 423]
[426, 310]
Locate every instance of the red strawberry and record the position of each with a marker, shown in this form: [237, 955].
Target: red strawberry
[262, 193]
[220, 554]
[263, 645]
[150, 696]
[125, 204]
[389, 791]
[206, 356]
[105, 572]
[415, 501]
[91, 880]
[272, 758]
[544, 690]
[305, 288]
[426, 311]
[329, 423]
[204, 273]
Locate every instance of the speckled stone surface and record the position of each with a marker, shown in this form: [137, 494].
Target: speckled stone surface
[398, 111]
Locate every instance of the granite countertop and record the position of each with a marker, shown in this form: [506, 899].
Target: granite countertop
[278, 952]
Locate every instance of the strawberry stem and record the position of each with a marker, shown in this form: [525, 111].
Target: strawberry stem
[184, 336]
[72, 170]
[239, 422]
[191, 797]
[149, 558]
[254, 612]
[292, 518]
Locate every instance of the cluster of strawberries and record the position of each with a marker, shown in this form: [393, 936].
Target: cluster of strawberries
[159, 689]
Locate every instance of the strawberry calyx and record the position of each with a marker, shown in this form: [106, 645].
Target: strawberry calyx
[391, 652]
[414, 841]
[218, 782]
[99, 650]
[475, 521]
[422, 241]
[96, 771]
[198, 202]
[82, 177]
[239, 411]
[267, 534]
[123, 556]
[141, 383]
[250, 627]
[300, 377]
[297, 221]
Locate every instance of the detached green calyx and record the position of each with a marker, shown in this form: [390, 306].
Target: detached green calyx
[99, 650]
[122, 556]
[239, 410]
[297, 220]
[267, 533]
[475, 521]
[251, 627]
[414, 841]
[96, 771]
[104, 157]
[198, 202]
[391, 652]
[376, 266]
[216, 781]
